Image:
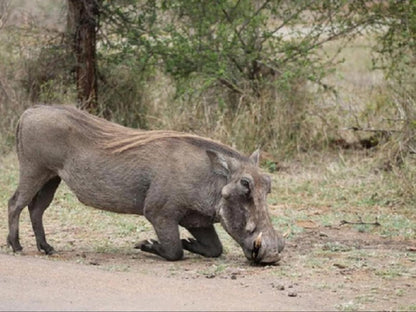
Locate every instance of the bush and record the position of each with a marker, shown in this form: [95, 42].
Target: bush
[241, 71]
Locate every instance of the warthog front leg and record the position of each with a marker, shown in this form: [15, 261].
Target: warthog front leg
[169, 245]
[206, 243]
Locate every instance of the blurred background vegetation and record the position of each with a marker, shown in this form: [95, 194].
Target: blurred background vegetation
[291, 77]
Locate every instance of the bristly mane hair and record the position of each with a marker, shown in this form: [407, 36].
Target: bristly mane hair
[119, 139]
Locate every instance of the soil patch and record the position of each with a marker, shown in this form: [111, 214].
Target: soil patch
[322, 269]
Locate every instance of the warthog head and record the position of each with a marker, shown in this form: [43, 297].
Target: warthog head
[243, 208]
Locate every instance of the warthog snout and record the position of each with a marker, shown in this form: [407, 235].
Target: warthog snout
[265, 249]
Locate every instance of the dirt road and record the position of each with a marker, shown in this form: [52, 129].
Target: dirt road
[358, 272]
[28, 283]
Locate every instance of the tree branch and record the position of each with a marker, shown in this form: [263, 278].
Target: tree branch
[230, 21]
[254, 15]
[230, 85]
[284, 23]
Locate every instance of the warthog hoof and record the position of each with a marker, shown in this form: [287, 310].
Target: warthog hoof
[146, 245]
[14, 245]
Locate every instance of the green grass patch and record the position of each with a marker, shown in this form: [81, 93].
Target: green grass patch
[331, 188]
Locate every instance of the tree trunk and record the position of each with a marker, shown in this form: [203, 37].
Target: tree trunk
[82, 24]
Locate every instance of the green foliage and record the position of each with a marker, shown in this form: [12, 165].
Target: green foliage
[271, 166]
[247, 45]
[249, 73]
[395, 25]
[241, 68]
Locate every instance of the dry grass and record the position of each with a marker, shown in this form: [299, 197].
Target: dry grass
[326, 189]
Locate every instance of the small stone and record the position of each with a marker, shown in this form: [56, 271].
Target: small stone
[340, 265]
[280, 287]
[233, 276]
[292, 294]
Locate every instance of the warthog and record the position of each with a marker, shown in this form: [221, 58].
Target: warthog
[171, 178]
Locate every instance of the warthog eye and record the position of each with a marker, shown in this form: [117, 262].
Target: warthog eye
[246, 184]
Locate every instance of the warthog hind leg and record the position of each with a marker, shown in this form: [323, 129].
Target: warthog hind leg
[206, 243]
[14, 215]
[36, 209]
[31, 180]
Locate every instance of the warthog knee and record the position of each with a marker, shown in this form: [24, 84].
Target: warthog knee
[173, 255]
[214, 251]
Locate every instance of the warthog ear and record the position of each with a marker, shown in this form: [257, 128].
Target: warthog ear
[218, 163]
[255, 157]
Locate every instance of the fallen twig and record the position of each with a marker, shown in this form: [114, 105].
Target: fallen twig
[360, 222]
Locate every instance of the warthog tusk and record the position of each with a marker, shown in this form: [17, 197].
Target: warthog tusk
[256, 246]
[257, 242]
